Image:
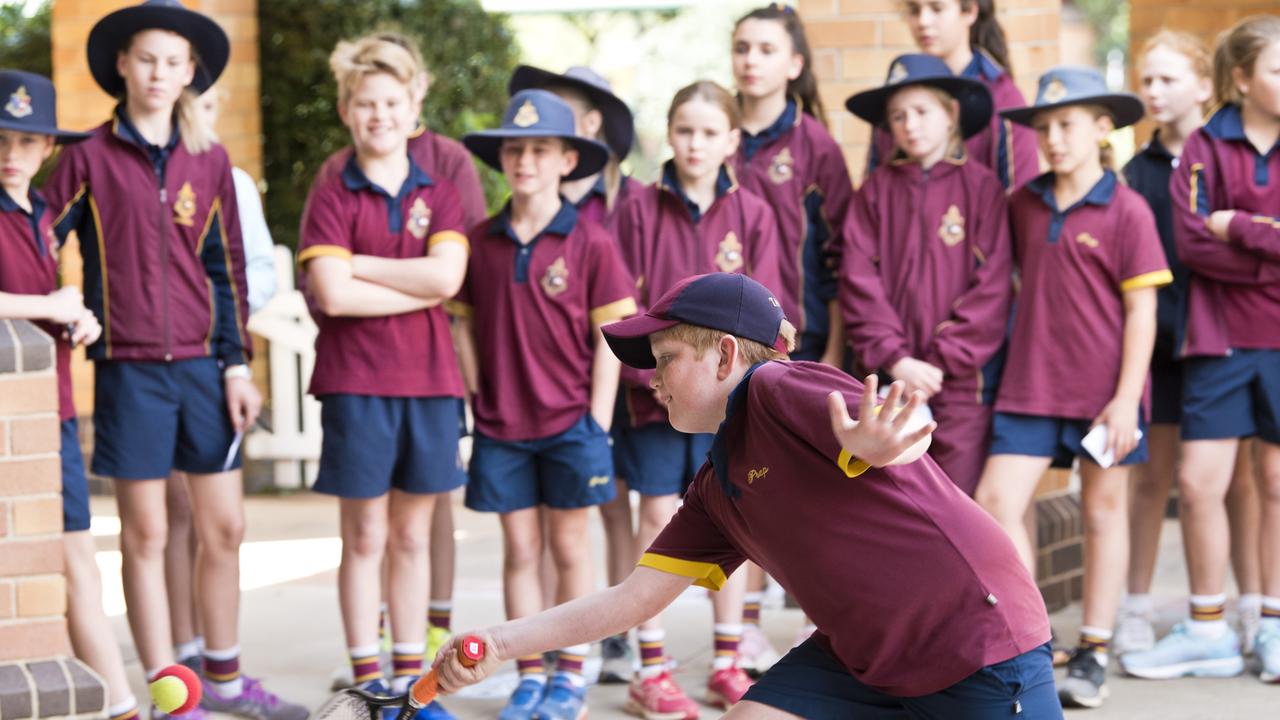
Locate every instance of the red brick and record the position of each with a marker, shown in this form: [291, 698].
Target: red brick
[44, 596]
[30, 557]
[36, 435]
[4, 518]
[843, 33]
[4, 438]
[23, 393]
[6, 599]
[41, 638]
[37, 516]
[28, 477]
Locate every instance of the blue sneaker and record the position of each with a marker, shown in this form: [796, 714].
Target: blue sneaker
[1181, 654]
[434, 711]
[524, 700]
[1268, 650]
[565, 700]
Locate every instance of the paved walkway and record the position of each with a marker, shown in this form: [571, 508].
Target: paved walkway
[291, 629]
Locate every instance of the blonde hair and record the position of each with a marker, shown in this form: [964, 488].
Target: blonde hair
[1186, 45]
[1239, 47]
[353, 60]
[712, 93]
[613, 168]
[197, 137]
[703, 339]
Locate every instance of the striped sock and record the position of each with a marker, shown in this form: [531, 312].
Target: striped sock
[186, 650]
[1270, 609]
[384, 637]
[406, 664]
[751, 608]
[569, 664]
[530, 667]
[222, 670]
[1097, 640]
[126, 709]
[727, 639]
[653, 660]
[365, 667]
[440, 613]
[1208, 616]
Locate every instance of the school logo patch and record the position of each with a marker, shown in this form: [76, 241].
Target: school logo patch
[1087, 240]
[782, 167]
[1054, 92]
[757, 474]
[598, 480]
[419, 219]
[952, 228]
[897, 73]
[527, 115]
[729, 257]
[556, 279]
[773, 301]
[19, 104]
[184, 207]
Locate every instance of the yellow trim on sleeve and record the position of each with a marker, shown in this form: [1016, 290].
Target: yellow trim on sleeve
[458, 309]
[615, 310]
[448, 236]
[1156, 278]
[1196, 169]
[102, 269]
[316, 251]
[707, 575]
[1264, 220]
[852, 466]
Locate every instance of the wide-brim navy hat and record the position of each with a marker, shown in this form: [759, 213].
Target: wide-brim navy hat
[976, 105]
[619, 124]
[31, 105]
[1071, 85]
[538, 113]
[208, 40]
[728, 302]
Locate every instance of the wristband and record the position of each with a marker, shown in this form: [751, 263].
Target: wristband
[237, 371]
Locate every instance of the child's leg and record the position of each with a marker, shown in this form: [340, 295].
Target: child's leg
[90, 631]
[1106, 550]
[568, 539]
[1269, 456]
[408, 556]
[143, 535]
[363, 525]
[1202, 484]
[1244, 515]
[727, 683]
[179, 568]
[1005, 490]
[521, 556]
[1151, 485]
[217, 503]
[619, 536]
[655, 512]
[443, 552]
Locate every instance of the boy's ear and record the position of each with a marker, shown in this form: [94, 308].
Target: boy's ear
[570, 161]
[728, 350]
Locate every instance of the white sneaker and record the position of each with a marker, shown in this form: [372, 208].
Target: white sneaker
[755, 653]
[1269, 651]
[1250, 621]
[1134, 632]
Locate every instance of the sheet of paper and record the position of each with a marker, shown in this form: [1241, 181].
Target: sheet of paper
[1096, 444]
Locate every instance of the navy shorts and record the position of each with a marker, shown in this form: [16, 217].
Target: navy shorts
[1232, 397]
[150, 418]
[1052, 437]
[810, 682]
[75, 486]
[656, 459]
[1166, 392]
[373, 444]
[572, 469]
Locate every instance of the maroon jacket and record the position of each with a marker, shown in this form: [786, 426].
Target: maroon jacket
[664, 240]
[593, 207]
[1234, 296]
[928, 270]
[160, 237]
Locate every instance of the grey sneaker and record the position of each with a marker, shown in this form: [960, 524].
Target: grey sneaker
[618, 661]
[1085, 685]
[254, 702]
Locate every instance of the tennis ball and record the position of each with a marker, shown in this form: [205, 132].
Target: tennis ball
[175, 690]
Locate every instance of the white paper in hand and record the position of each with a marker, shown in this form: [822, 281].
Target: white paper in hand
[1096, 443]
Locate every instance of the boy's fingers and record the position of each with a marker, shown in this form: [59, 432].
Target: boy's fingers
[904, 415]
[919, 434]
[839, 412]
[870, 389]
[894, 397]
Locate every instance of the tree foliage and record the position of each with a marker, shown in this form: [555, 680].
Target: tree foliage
[25, 42]
[469, 53]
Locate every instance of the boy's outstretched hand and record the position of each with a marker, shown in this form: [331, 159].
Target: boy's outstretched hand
[453, 674]
[879, 438]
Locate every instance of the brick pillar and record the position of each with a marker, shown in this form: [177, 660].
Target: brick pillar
[36, 678]
[855, 40]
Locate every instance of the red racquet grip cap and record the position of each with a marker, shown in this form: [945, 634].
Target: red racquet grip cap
[472, 650]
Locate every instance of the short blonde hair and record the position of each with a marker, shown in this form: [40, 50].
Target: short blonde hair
[704, 338]
[354, 60]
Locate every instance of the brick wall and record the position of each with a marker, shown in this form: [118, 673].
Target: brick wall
[855, 40]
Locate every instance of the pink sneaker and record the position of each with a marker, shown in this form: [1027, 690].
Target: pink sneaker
[660, 698]
[726, 687]
[755, 653]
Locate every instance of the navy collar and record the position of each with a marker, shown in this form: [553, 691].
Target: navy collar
[38, 206]
[719, 454]
[671, 183]
[1228, 124]
[355, 180]
[982, 67]
[1156, 149]
[128, 131]
[751, 144]
[1100, 194]
[561, 224]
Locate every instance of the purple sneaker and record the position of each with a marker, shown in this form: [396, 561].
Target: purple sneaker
[255, 702]
[195, 713]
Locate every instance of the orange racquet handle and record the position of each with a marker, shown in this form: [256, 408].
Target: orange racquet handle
[471, 651]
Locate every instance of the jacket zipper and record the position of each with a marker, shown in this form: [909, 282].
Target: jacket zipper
[164, 262]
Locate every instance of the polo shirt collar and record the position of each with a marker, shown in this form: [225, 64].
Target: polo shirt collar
[981, 67]
[598, 189]
[1156, 149]
[1100, 195]
[719, 454]
[562, 223]
[671, 183]
[127, 131]
[355, 180]
[751, 144]
[1228, 124]
[38, 206]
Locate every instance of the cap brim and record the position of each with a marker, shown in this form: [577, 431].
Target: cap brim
[1125, 109]
[487, 145]
[976, 105]
[619, 124]
[207, 38]
[62, 137]
[629, 339]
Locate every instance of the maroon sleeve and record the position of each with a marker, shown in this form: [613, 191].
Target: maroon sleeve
[610, 293]
[763, 246]
[832, 177]
[966, 341]
[1193, 189]
[235, 249]
[447, 213]
[795, 399]
[62, 188]
[326, 228]
[692, 545]
[1259, 234]
[1142, 262]
[871, 323]
[466, 180]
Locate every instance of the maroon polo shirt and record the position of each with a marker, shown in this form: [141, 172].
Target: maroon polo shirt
[665, 238]
[594, 206]
[405, 355]
[533, 308]
[928, 269]
[1068, 333]
[1234, 296]
[29, 266]
[912, 583]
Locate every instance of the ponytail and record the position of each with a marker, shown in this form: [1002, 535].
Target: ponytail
[803, 88]
[1239, 47]
[986, 35]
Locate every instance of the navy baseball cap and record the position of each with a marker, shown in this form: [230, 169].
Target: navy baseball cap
[729, 302]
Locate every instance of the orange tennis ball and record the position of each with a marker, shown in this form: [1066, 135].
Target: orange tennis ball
[175, 690]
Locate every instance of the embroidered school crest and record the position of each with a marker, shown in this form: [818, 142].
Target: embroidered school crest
[952, 228]
[527, 115]
[781, 168]
[729, 258]
[1087, 240]
[19, 104]
[1055, 92]
[897, 73]
[419, 219]
[556, 279]
[184, 208]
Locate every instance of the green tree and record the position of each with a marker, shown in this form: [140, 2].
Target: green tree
[469, 53]
[24, 37]
[1110, 19]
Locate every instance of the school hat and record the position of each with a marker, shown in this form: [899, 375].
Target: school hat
[975, 101]
[108, 36]
[728, 302]
[1073, 85]
[538, 113]
[619, 125]
[30, 105]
